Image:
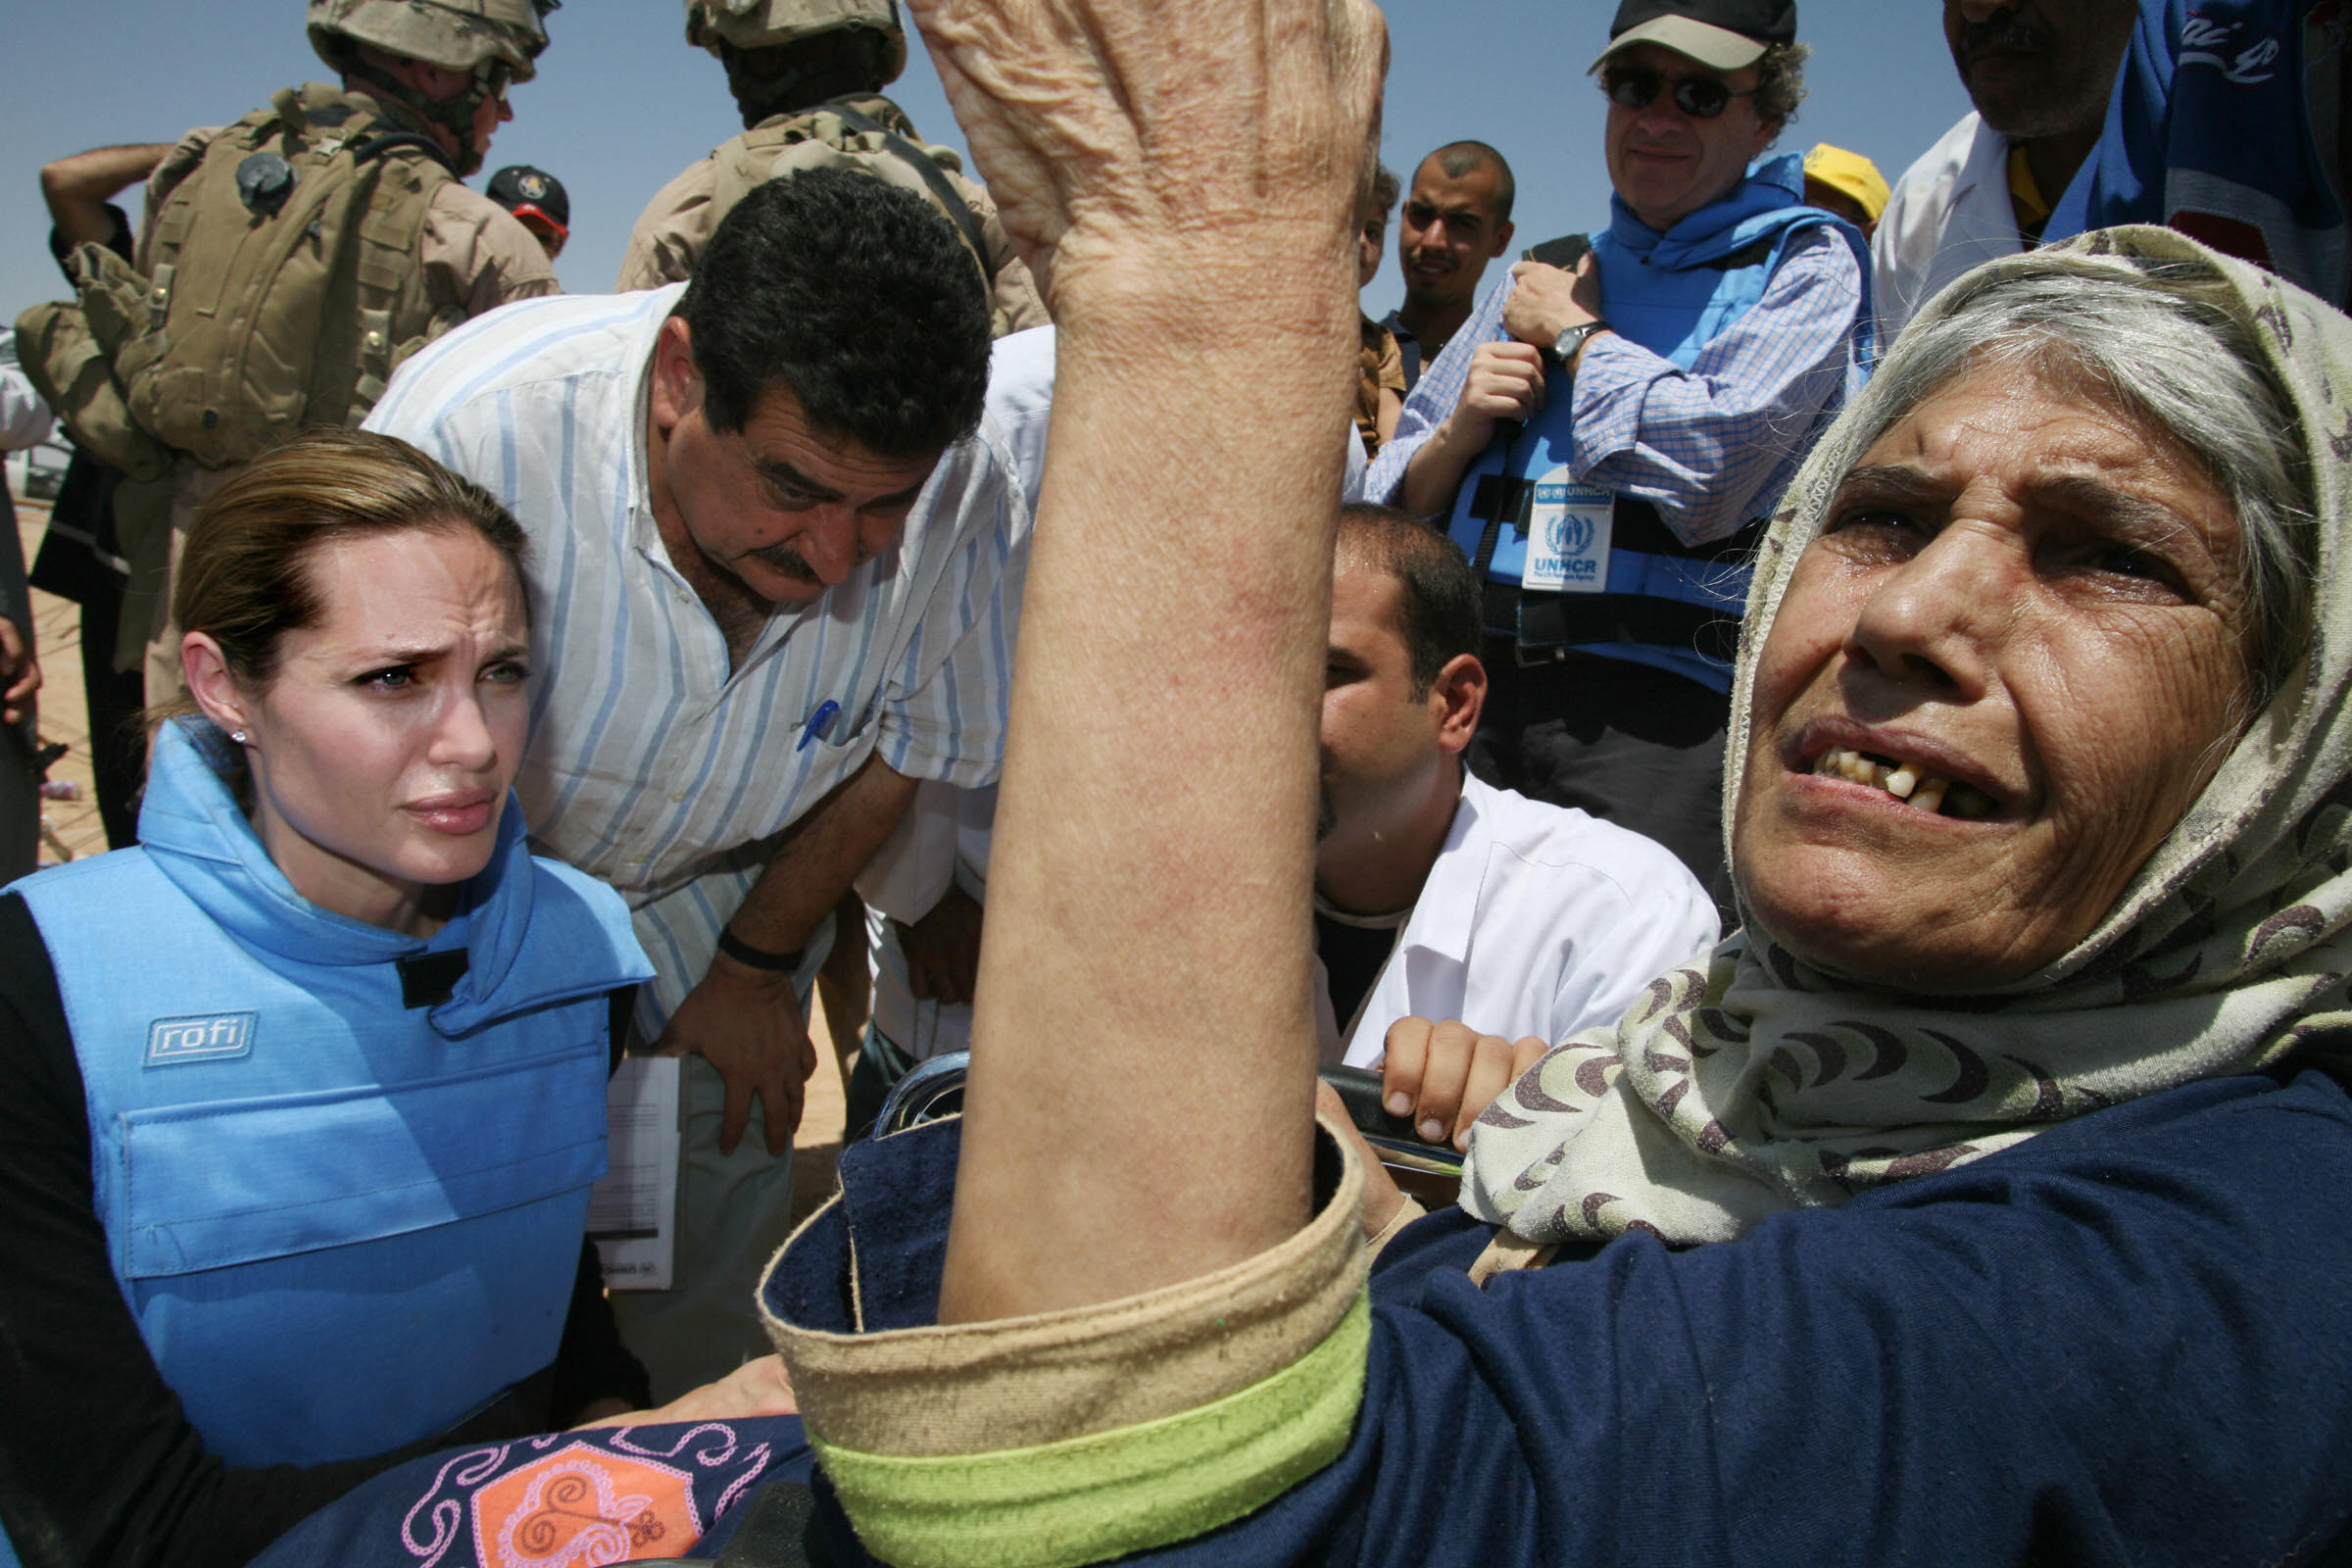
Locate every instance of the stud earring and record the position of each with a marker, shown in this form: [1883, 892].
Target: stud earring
[238, 735]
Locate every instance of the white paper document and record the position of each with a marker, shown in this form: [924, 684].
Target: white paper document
[632, 1213]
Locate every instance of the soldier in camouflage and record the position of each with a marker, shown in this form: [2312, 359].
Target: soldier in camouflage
[318, 325]
[794, 66]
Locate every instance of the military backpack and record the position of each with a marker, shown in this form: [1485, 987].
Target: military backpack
[283, 286]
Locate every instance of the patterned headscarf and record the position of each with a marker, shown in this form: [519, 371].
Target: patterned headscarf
[1751, 1083]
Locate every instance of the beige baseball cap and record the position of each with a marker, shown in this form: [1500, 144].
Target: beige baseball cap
[1723, 34]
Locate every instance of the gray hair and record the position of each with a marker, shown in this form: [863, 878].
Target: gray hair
[2151, 336]
[1780, 83]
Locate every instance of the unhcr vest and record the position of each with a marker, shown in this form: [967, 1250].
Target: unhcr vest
[343, 1174]
[1609, 572]
[285, 283]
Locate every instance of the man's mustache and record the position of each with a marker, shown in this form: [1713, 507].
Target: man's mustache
[784, 558]
[2007, 31]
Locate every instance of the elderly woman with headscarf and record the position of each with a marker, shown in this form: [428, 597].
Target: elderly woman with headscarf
[1976, 1203]
[1979, 1203]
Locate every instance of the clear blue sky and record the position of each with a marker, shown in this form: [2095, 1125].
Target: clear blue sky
[622, 103]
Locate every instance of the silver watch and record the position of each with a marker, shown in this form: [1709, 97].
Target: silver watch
[1564, 346]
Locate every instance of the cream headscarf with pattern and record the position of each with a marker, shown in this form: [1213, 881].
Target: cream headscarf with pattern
[1749, 1083]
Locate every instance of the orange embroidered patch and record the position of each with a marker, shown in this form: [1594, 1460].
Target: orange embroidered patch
[581, 1507]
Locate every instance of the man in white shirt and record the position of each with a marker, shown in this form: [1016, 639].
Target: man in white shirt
[2040, 72]
[1437, 896]
[769, 514]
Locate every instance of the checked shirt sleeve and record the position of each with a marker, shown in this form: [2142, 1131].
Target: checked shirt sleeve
[1711, 446]
[1433, 396]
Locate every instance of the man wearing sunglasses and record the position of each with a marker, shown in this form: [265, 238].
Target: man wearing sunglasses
[1604, 441]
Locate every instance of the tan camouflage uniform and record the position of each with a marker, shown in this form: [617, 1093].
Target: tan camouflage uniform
[475, 255]
[676, 224]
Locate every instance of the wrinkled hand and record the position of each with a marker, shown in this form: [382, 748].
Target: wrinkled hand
[20, 673]
[1546, 301]
[1113, 140]
[758, 1388]
[943, 950]
[1443, 1075]
[747, 1024]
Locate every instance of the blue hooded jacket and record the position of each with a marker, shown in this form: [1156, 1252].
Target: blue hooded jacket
[343, 1172]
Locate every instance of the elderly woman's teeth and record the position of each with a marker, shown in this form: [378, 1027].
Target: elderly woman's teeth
[1905, 781]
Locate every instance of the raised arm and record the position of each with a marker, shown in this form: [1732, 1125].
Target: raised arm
[1185, 186]
[77, 189]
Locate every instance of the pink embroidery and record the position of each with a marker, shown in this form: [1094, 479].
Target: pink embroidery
[584, 1507]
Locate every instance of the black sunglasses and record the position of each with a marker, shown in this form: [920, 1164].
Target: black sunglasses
[1638, 87]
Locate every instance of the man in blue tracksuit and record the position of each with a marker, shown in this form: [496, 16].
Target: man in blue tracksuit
[1605, 437]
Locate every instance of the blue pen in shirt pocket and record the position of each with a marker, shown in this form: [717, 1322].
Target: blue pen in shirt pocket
[819, 724]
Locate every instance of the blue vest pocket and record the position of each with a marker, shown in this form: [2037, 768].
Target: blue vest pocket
[333, 1273]
[214, 1185]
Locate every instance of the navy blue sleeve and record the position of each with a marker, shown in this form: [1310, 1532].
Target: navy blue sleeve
[2123, 1342]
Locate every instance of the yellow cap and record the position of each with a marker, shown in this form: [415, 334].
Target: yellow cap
[1851, 173]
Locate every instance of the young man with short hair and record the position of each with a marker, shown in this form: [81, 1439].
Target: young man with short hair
[1455, 219]
[1437, 896]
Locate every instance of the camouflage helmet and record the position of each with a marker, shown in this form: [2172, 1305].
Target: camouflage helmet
[455, 34]
[765, 24]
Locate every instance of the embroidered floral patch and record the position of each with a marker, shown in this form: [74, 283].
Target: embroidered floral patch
[581, 1507]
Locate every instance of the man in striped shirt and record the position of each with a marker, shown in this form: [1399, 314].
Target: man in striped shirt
[768, 518]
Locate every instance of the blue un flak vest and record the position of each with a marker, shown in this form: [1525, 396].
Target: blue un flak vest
[1670, 294]
[342, 1222]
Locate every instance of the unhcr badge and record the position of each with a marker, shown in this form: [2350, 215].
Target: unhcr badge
[213, 1038]
[1568, 536]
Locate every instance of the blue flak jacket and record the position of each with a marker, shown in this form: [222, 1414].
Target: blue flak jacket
[1672, 294]
[342, 1222]
[2124, 1341]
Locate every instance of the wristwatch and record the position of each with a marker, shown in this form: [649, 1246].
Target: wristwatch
[1564, 347]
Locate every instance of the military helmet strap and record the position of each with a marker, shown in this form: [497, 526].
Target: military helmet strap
[951, 201]
[454, 114]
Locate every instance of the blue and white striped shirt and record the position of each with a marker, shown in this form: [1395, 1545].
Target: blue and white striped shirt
[1711, 447]
[655, 763]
